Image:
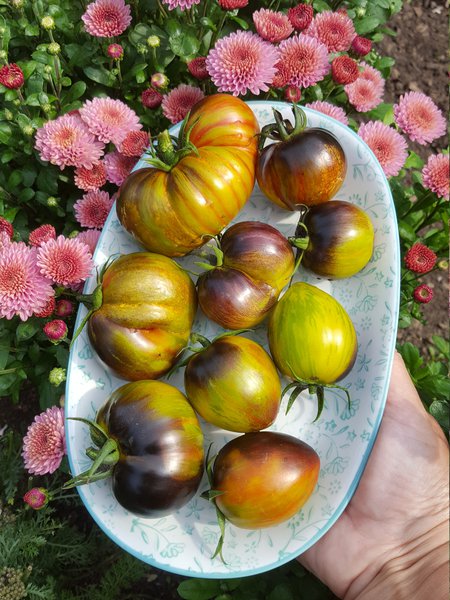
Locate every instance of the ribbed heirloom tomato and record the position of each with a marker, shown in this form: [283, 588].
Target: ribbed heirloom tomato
[194, 191]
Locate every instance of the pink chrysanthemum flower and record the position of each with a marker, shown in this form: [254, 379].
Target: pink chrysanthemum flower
[66, 142]
[418, 116]
[232, 4]
[305, 58]
[110, 120]
[11, 76]
[115, 51]
[179, 101]
[361, 45]
[90, 179]
[281, 77]
[106, 18]
[45, 442]
[388, 145]
[7, 227]
[334, 29]
[92, 209]
[151, 98]
[363, 94]
[301, 16]
[42, 234]
[344, 70]
[369, 73]
[134, 143]
[47, 310]
[90, 238]
[55, 330]
[271, 25]
[118, 167]
[66, 261]
[336, 112]
[64, 307]
[423, 294]
[181, 4]
[436, 175]
[242, 62]
[197, 67]
[37, 498]
[5, 240]
[420, 259]
[23, 289]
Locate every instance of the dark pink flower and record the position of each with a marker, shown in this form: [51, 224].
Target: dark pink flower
[42, 234]
[118, 167]
[271, 25]
[344, 70]
[90, 238]
[305, 59]
[387, 144]
[436, 175]
[334, 29]
[292, 94]
[150, 98]
[197, 67]
[65, 261]
[423, 294]
[64, 308]
[7, 227]
[106, 18]
[232, 4]
[37, 498]
[181, 4]
[336, 112]
[55, 330]
[108, 119]
[300, 16]
[11, 76]
[420, 258]
[418, 116]
[179, 101]
[92, 209]
[45, 442]
[115, 51]
[134, 143]
[242, 62]
[23, 290]
[47, 310]
[361, 45]
[282, 75]
[66, 141]
[90, 179]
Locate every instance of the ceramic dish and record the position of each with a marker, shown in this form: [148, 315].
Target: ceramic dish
[184, 542]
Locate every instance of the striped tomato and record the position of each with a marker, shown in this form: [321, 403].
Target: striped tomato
[196, 190]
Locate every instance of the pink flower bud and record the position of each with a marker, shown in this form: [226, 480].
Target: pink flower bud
[55, 330]
[115, 51]
[361, 45]
[37, 498]
[423, 294]
[292, 93]
[159, 81]
[64, 308]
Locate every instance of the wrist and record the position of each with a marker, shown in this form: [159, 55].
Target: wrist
[419, 570]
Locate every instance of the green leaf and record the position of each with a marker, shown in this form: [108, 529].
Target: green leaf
[441, 344]
[383, 112]
[27, 330]
[199, 589]
[440, 411]
[281, 591]
[75, 92]
[184, 42]
[14, 179]
[406, 231]
[6, 381]
[99, 75]
[32, 30]
[26, 194]
[5, 132]
[411, 357]
[414, 161]
[4, 353]
[321, 5]
[366, 25]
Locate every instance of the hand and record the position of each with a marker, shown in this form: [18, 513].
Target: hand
[391, 542]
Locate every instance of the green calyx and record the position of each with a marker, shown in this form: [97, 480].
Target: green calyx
[283, 130]
[104, 456]
[211, 495]
[217, 253]
[170, 150]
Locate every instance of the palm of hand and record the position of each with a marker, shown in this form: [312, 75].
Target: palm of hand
[402, 493]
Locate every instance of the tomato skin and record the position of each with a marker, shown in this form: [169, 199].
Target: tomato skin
[160, 447]
[311, 337]
[341, 239]
[257, 263]
[265, 477]
[234, 384]
[308, 169]
[149, 305]
[173, 212]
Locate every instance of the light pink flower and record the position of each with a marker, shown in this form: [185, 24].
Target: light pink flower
[23, 290]
[363, 94]
[90, 238]
[436, 175]
[388, 145]
[271, 25]
[181, 4]
[66, 142]
[179, 101]
[118, 167]
[334, 29]
[305, 59]
[42, 234]
[418, 116]
[92, 209]
[5, 240]
[90, 179]
[369, 73]
[45, 442]
[134, 143]
[110, 120]
[242, 62]
[66, 261]
[106, 18]
[336, 112]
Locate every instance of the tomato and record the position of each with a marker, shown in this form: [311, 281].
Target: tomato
[263, 478]
[254, 264]
[194, 192]
[152, 448]
[233, 384]
[306, 167]
[144, 318]
[311, 338]
[340, 241]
